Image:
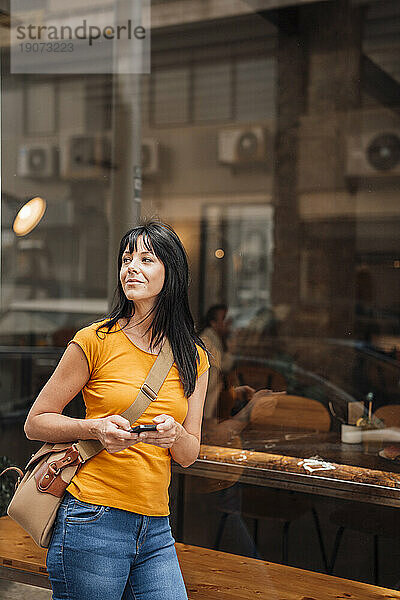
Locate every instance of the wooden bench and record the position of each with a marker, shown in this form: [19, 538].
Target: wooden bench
[209, 575]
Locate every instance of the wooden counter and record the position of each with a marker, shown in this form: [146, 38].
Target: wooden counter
[289, 472]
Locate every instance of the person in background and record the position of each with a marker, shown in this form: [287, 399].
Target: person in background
[221, 362]
[215, 335]
[226, 432]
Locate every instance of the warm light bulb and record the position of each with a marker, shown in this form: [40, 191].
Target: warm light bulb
[25, 212]
[29, 216]
[219, 253]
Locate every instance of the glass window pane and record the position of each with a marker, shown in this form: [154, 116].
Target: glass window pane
[255, 88]
[212, 92]
[271, 144]
[171, 96]
[38, 120]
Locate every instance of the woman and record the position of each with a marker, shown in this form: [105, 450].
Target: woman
[112, 537]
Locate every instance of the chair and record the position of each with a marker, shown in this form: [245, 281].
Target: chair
[371, 520]
[292, 413]
[389, 414]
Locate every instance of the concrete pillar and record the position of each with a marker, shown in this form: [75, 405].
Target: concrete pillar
[333, 35]
[290, 105]
[319, 59]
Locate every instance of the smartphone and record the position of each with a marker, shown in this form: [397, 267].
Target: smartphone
[143, 428]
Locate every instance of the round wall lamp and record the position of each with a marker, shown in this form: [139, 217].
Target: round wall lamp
[29, 216]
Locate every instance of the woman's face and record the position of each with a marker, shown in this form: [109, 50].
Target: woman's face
[142, 273]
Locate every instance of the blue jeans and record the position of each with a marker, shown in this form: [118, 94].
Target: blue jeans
[104, 553]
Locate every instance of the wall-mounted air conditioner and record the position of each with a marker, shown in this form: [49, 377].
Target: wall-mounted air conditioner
[150, 157]
[37, 160]
[374, 154]
[85, 156]
[242, 146]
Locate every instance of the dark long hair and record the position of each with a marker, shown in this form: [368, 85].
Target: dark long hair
[171, 313]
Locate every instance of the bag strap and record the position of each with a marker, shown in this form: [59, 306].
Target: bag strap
[147, 394]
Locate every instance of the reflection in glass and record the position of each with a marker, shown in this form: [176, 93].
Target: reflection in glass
[29, 216]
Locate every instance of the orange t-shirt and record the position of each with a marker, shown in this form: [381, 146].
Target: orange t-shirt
[137, 478]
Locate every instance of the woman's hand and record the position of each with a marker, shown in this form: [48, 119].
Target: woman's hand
[244, 389]
[168, 432]
[113, 433]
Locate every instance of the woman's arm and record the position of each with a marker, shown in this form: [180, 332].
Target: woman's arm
[182, 440]
[186, 448]
[46, 423]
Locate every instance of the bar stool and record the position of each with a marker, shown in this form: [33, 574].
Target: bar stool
[278, 505]
[374, 521]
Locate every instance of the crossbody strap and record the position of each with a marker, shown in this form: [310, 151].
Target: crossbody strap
[147, 394]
